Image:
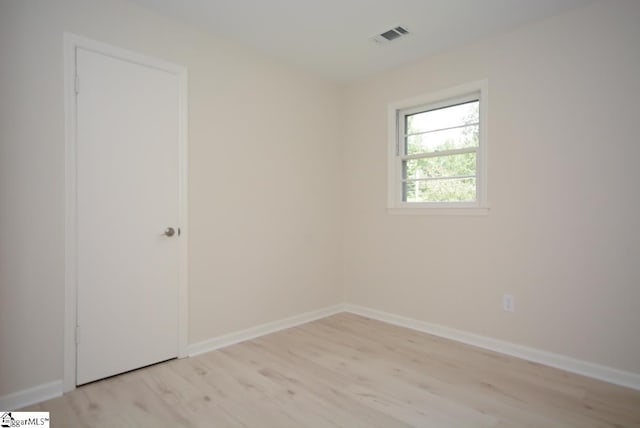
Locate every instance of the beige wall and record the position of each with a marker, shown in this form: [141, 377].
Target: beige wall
[563, 233]
[265, 179]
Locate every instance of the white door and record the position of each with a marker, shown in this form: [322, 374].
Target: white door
[127, 196]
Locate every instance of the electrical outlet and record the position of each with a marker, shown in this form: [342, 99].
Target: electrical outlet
[508, 303]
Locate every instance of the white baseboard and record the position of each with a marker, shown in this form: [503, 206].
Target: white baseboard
[261, 330]
[51, 390]
[27, 397]
[40, 393]
[596, 371]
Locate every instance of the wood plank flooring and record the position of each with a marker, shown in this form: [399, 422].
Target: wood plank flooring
[347, 371]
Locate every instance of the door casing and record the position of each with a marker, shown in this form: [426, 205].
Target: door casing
[71, 43]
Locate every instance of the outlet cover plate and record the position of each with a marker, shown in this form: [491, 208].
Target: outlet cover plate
[508, 303]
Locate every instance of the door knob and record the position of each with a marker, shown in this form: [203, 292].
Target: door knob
[169, 232]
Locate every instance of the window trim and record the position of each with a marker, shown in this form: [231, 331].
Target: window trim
[435, 100]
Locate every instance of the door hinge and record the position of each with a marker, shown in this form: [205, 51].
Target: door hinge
[77, 334]
[76, 84]
[179, 231]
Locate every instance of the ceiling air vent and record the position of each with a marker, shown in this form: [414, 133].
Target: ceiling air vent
[390, 35]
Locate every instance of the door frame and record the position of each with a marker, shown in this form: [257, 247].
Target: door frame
[71, 43]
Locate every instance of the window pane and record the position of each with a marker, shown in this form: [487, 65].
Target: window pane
[440, 166]
[442, 118]
[457, 138]
[445, 190]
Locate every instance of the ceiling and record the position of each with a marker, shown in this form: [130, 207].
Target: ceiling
[331, 37]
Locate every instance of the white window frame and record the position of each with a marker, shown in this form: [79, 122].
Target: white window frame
[443, 98]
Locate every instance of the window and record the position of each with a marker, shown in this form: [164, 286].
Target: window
[437, 152]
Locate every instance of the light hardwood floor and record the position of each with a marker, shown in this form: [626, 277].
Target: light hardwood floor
[347, 371]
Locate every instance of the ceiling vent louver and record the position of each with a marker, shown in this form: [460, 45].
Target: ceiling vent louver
[390, 35]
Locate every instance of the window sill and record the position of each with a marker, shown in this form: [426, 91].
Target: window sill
[467, 211]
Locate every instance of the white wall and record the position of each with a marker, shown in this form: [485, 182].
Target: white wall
[563, 233]
[265, 179]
